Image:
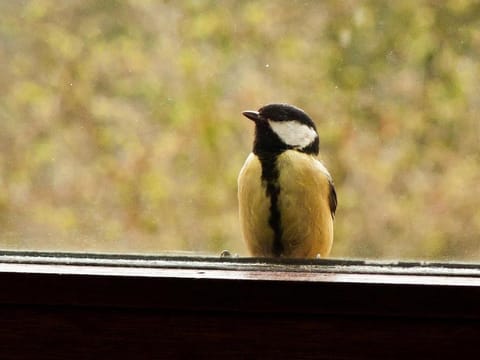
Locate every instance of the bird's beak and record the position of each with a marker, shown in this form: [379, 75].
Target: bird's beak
[252, 115]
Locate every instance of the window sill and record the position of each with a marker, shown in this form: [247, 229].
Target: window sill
[214, 303]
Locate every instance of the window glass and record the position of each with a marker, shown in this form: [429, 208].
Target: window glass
[121, 127]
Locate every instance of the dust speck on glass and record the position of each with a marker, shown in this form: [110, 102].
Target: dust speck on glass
[121, 126]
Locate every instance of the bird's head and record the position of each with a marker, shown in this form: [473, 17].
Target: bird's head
[280, 127]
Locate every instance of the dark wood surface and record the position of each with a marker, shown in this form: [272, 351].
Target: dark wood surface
[80, 307]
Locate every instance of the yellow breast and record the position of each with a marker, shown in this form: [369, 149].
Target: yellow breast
[305, 217]
[254, 208]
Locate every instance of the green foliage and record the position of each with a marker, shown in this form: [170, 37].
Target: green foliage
[121, 126]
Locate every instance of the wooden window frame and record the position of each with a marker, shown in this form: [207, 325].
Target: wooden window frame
[191, 307]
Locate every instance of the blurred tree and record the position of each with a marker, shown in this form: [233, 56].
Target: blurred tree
[120, 125]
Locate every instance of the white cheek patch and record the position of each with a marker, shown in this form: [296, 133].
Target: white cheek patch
[294, 133]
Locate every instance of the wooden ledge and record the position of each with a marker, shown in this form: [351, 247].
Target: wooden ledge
[79, 306]
[326, 287]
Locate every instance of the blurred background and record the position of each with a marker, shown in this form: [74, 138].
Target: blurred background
[121, 127]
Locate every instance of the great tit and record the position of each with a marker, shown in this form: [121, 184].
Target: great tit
[286, 196]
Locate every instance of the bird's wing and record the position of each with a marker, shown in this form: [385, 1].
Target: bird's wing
[332, 198]
[332, 194]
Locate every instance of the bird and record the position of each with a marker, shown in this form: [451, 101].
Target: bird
[286, 196]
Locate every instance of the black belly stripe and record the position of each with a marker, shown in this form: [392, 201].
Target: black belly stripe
[270, 180]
